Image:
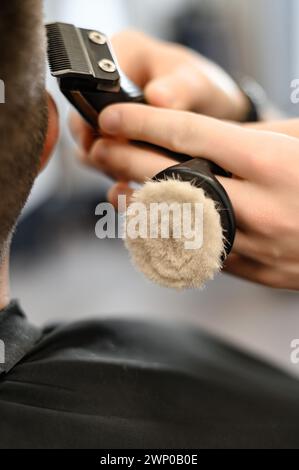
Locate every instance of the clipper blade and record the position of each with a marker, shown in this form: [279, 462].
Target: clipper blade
[66, 50]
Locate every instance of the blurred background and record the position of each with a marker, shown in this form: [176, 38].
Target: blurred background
[62, 272]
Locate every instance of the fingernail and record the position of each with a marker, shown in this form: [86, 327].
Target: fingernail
[110, 121]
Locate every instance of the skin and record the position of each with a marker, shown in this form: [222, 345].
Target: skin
[4, 284]
[50, 141]
[264, 157]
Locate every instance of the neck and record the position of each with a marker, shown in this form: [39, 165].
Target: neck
[4, 283]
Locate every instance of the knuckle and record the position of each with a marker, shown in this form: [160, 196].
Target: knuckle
[275, 252]
[272, 255]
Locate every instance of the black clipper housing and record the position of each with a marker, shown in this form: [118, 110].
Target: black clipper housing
[87, 71]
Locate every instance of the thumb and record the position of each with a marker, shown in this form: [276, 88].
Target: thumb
[178, 90]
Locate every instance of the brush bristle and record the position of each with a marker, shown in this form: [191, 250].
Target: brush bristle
[65, 50]
[166, 261]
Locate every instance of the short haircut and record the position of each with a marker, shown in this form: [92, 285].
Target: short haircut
[23, 116]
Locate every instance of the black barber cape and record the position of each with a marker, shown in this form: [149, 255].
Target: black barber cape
[134, 384]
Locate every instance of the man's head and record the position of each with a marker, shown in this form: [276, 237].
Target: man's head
[24, 116]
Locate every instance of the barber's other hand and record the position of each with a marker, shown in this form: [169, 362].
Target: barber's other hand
[174, 77]
[264, 190]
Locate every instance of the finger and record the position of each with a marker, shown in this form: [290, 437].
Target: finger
[253, 271]
[180, 90]
[255, 248]
[120, 189]
[237, 191]
[230, 146]
[133, 50]
[269, 253]
[82, 133]
[248, 246]
[127, 162]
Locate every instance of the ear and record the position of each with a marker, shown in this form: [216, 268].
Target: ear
[52, 132]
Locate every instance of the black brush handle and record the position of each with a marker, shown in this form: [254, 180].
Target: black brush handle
[201, 173]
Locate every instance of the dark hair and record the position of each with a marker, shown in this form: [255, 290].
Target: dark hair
[23, 116]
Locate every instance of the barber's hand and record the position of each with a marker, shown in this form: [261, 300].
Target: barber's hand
[264, 190]
[175, 77]
[172, 77]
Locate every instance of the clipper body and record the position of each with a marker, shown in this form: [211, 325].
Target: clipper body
[86, 69]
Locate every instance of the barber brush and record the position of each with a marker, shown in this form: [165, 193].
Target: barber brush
[89, 76]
